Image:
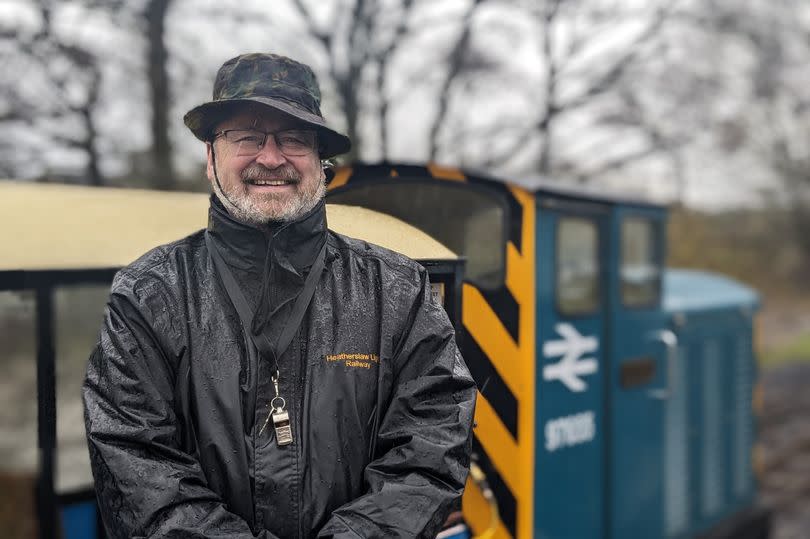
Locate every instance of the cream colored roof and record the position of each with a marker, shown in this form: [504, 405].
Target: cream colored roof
[386, 231]
[55, 226]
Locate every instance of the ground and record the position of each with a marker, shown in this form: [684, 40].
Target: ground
[784, 425]
[784, 438]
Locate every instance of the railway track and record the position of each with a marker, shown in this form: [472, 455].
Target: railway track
[784, 438]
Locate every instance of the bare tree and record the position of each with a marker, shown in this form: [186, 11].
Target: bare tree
[613, 68]
[587, 55]
[458, 62]
[155, 14]
[149, 18]
[770, 117]
[69, 77]
[384, 57]
[70, 73]
[359, 42]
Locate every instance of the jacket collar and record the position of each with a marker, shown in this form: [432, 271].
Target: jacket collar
[294, 244]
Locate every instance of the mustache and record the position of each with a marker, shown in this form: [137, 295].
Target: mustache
[261, 172]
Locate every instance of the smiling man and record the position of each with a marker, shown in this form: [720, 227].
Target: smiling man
[225, 398]
[255, 184]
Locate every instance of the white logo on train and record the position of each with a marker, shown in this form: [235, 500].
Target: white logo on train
[571, 347]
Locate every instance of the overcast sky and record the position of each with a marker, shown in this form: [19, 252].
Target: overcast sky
[201, 35]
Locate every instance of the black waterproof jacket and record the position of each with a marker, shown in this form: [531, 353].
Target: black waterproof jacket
[379, 398]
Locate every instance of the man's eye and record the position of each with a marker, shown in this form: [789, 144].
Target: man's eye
[248, 139]
[292, 140]
[297, 139]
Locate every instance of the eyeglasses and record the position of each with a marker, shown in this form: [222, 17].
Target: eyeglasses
[290, 142]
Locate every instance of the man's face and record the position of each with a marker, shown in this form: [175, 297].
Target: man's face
[267, 186]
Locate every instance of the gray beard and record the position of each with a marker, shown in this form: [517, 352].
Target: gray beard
[244, 208]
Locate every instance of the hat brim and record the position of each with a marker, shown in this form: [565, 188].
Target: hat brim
[202, 119]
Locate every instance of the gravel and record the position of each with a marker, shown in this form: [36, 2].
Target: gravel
[784, 438]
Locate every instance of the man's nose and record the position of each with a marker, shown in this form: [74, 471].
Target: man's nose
[269, 154]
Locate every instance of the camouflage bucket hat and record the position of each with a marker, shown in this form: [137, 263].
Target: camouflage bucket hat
[271, 80]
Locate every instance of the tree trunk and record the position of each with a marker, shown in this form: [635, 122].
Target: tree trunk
[93, 171]
[455, 67]
[347, 87]
[544, 159]
[382, 73]
[163, 170]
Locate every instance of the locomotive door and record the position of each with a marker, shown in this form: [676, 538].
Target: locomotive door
[571, 369]
[642, 375]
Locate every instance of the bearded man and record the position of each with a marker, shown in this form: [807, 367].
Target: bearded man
[212, 405]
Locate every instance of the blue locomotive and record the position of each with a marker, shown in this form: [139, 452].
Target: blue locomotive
[616, 397]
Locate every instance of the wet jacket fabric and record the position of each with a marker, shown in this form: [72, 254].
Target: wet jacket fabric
[379, 398]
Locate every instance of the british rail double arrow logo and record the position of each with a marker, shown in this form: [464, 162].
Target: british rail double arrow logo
[572, 366]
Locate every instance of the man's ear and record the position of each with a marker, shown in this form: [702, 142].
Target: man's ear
[209, 167]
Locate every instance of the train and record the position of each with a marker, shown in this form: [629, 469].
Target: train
[617, 397]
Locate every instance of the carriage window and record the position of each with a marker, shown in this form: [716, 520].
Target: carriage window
[577, 266]
[78, 314]
[18, 400]
[469, 222]
[640, 271]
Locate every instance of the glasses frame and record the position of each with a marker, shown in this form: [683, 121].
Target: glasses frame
[275, 134]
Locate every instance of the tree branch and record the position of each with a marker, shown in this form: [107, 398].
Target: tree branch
[383, 58]
[615, 72]
[454, 68]
[550, 110]
[325, 38]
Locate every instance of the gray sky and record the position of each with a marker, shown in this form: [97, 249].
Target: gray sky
[202, 34]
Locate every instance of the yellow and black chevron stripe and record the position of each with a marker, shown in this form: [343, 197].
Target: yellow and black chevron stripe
[498, 342]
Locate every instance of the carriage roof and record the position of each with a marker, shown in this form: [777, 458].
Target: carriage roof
[57, 226]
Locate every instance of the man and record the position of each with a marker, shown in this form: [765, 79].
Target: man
[214, 404]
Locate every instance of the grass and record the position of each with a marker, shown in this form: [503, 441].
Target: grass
[759, 248]
[796, 350]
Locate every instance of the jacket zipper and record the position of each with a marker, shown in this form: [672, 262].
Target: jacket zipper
[302, 369]
[253, 360]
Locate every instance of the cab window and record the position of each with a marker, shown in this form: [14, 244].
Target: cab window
[640, 270]
[470, 222]
[577, 266]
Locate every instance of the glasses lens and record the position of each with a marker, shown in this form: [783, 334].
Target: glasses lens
[295, 142]
[292, 142]
[245, 141]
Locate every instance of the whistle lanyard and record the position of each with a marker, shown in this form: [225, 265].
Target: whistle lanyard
[278, 405]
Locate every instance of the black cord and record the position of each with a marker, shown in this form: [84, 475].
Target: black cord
[216, 177]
